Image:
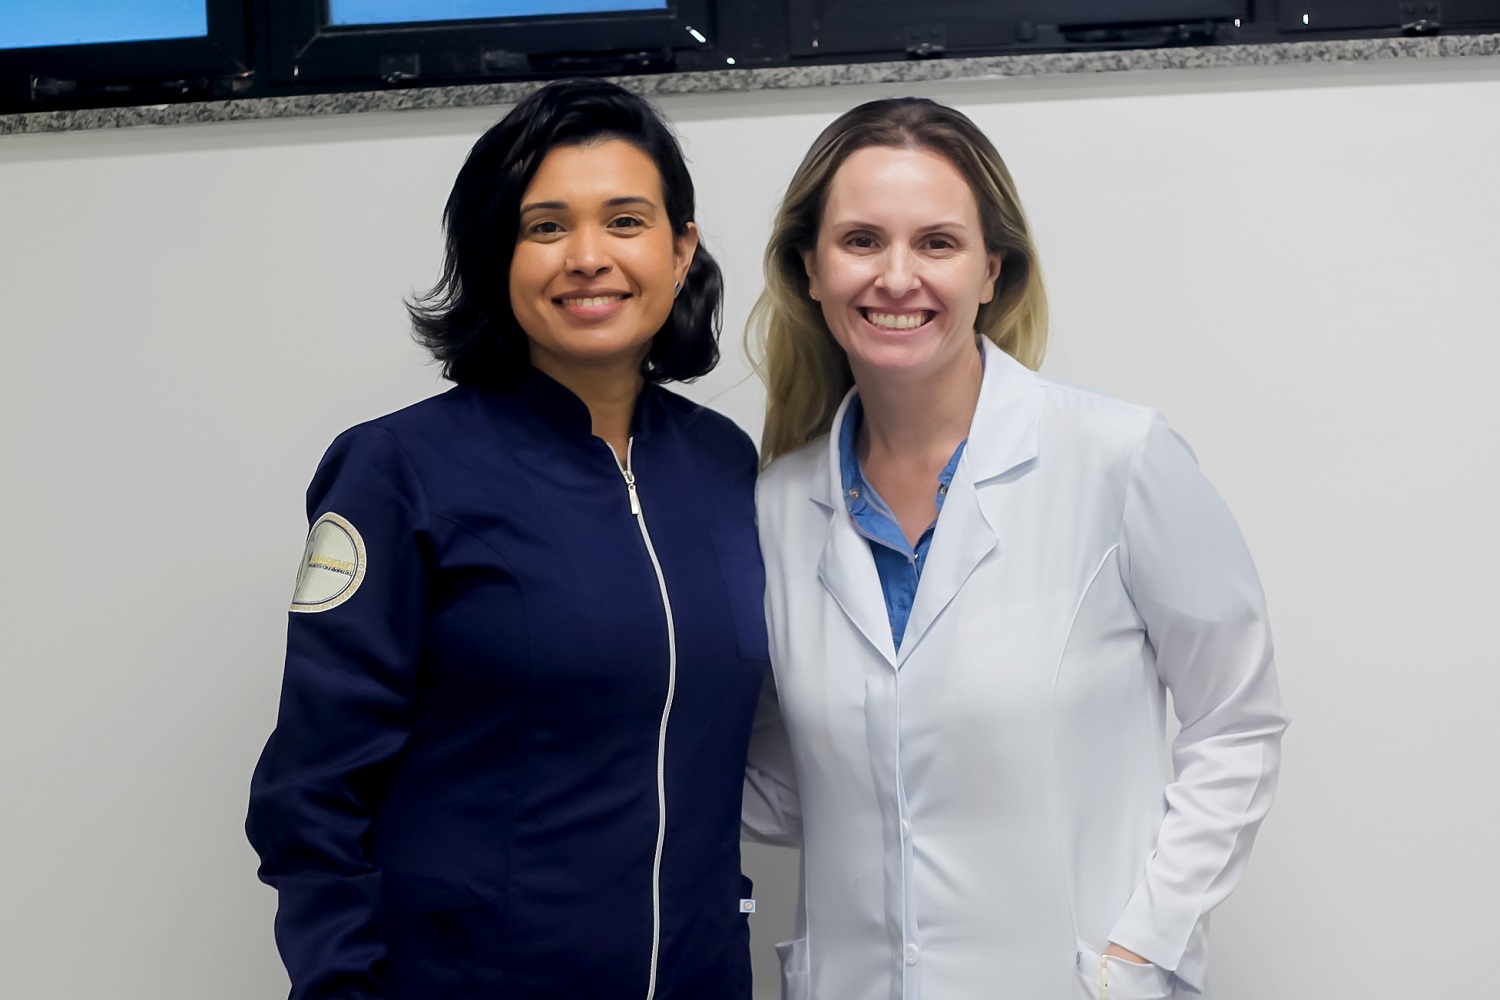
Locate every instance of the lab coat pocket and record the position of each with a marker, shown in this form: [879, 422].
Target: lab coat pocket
[1123, 980]
[796, 977]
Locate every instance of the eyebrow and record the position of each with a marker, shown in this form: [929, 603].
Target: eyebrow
[934, 227]
[558, 206]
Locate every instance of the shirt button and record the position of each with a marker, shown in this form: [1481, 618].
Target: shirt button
[912, 954]
[905, 829]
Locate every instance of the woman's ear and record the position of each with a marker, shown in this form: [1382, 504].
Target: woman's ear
[810, 265]
[683, 249]
[992, 275]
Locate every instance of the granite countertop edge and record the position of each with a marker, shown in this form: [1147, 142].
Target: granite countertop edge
[1363, 50]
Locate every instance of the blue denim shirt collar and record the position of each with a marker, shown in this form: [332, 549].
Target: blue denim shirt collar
[871, 514]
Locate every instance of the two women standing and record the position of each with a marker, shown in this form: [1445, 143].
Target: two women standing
[528, 642]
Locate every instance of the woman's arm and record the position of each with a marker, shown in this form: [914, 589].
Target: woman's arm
[772, 812]
[1191, 579]
[344, 716]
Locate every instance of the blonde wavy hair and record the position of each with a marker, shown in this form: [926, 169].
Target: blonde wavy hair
[805, 370]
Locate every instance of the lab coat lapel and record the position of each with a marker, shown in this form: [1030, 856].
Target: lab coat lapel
[846, 568]
[1003, 442]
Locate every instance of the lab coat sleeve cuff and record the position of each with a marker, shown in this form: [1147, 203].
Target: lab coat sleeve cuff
[1167, 931]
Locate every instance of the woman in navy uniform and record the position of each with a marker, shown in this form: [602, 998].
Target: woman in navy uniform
[527, 639]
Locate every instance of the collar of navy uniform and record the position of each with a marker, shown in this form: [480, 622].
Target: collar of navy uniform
[559, 407]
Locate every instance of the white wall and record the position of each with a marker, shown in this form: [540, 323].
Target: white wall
[1288, 262]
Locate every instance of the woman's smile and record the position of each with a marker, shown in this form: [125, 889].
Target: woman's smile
[887, 320]
[900, 266]
[591, 305]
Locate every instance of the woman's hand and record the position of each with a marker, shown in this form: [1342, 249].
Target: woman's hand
[1115, 951]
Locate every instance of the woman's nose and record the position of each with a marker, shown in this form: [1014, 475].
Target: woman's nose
[897, 273]
[586, 253]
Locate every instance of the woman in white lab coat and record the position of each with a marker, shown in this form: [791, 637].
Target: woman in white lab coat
[981, 584]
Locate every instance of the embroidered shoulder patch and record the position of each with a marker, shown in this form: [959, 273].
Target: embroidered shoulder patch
[333, 565]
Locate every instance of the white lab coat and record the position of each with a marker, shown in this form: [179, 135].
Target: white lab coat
[984, 809]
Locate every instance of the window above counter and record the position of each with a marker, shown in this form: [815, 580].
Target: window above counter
[64, 55]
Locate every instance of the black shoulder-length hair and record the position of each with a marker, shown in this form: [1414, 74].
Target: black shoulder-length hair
[466, 320]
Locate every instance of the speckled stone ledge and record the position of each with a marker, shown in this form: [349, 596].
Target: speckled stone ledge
[778, 78]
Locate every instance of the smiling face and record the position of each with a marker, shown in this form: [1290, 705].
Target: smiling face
[595, 263]
[900, 267]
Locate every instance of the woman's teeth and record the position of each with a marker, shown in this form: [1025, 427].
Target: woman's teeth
[898, 321]
[594, 300]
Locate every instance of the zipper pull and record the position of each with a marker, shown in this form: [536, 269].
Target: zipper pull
[635, 500]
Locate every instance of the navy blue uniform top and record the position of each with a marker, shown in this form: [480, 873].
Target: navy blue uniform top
[465, 791]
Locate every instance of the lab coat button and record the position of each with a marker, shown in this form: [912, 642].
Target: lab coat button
[905, 829]
[912, 954]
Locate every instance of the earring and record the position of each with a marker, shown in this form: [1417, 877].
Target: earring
[676, 289]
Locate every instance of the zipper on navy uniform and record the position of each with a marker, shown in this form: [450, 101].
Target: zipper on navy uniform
[666, 712]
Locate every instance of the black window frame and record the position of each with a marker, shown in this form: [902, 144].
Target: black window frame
[1411, 16]
[825, 29]
[289, 48]
[306, 49]
[111, 74]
